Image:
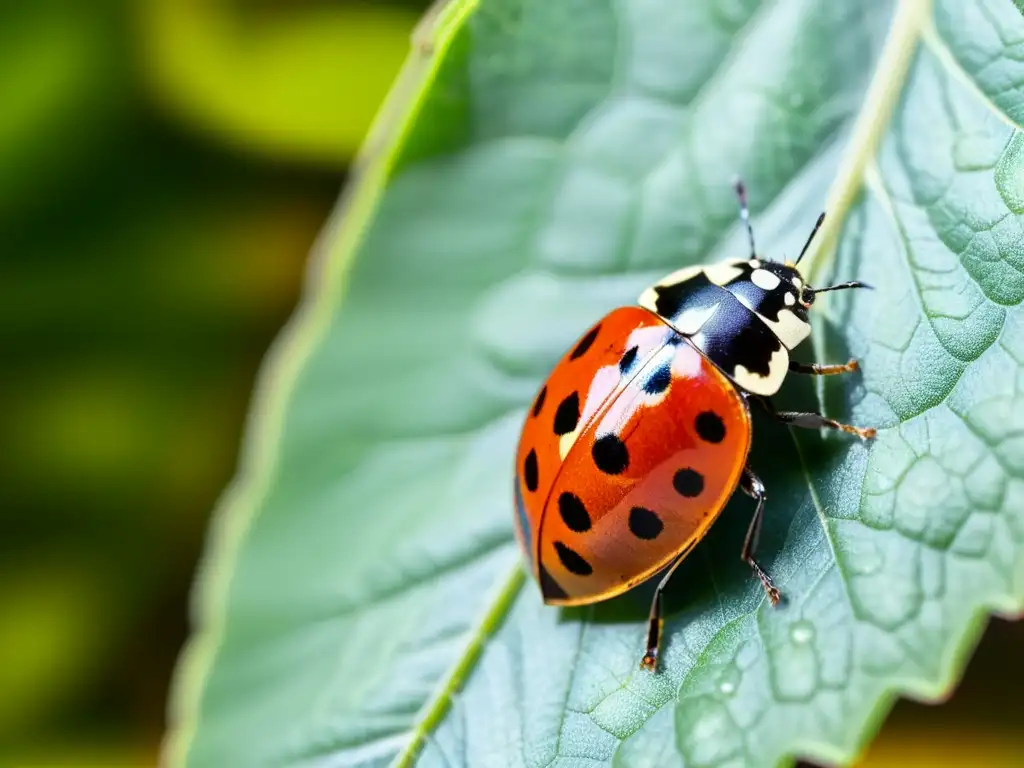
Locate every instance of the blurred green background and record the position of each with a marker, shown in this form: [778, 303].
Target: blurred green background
[165, 166]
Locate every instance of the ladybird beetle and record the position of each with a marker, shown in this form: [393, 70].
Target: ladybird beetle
[640, 434]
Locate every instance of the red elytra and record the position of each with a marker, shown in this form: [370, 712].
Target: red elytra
[596, 517]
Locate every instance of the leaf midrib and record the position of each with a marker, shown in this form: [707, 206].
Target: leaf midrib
[872, 118]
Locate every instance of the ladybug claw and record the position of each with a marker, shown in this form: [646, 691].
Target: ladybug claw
[865, 433]
[774, 596]
[649, 661]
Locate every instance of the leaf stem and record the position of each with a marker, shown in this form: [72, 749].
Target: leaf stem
[872, 119]
[436, 708]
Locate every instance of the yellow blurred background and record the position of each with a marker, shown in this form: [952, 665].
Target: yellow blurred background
[165, 166]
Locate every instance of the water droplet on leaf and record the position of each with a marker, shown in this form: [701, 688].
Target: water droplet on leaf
[802, 632]
[729, 680]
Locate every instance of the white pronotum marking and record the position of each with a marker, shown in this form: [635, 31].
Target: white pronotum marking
[778, 366]
[790, 329]
[721, 274]
[765, 280]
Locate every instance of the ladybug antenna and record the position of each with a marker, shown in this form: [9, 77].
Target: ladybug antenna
[840, 287]
[741, 194]
[817, 226]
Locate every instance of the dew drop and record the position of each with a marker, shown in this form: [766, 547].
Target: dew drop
[729, 680]
[795, 673]
[802, 632]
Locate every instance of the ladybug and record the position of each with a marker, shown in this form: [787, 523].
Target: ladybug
[641, 433]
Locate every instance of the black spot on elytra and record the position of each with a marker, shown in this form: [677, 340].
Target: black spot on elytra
[550, 588]
[573, 513]
[572, 560]
[530, 476]
[688, 482]
[644, 523]
[710, 427]
[539, 402]
[610, 454]
[585, 342]
[659, 380]
[627, 360]
[568, 414]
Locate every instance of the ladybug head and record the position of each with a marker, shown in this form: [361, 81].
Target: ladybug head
[778, 292]
[805, 294]
[778, 285]
[790, 275]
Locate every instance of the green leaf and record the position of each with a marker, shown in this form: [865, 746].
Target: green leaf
[362, 602]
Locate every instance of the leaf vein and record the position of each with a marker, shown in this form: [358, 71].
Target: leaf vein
[937, 46]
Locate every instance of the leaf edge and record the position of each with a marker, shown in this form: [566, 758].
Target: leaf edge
[330, 260]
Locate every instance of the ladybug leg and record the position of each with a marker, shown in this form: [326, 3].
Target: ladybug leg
[811, 420]
[741, 194]
[657, 621]
[753, 487]
[817, 421]
[814, 369]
